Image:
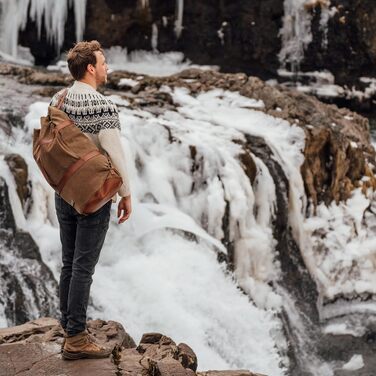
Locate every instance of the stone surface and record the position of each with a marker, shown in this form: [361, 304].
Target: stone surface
[33, 349]
[18, 168]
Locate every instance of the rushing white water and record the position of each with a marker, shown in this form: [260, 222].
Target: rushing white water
[51, 15]
[151, 277]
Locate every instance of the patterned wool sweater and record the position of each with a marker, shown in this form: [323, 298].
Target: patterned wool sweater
[97, 117]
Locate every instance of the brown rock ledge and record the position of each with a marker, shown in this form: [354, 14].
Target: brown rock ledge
[33, 349]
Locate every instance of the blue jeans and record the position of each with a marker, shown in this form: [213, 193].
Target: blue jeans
[82, 238]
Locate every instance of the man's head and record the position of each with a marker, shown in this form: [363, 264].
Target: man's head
[87, 62]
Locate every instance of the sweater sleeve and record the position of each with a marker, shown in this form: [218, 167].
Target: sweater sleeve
[109, 139]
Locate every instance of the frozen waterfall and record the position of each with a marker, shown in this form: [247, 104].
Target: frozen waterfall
[296, 33]
[51, 15]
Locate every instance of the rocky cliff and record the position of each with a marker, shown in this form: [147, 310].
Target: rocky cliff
[236, 35]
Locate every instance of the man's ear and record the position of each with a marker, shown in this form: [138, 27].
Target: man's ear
[90, 68]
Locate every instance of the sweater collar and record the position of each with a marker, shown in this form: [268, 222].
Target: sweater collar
[82, 87]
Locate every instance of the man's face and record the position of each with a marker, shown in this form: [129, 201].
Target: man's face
[100, 68]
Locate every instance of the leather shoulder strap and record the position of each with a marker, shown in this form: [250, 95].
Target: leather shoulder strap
[61, 98]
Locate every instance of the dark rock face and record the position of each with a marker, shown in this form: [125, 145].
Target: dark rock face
[236, 35]
[250, 41]
[351, 48]
[123, 23]
[27, 286]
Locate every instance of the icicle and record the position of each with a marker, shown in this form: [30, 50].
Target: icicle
[80, 14]
[179, 17]
[296, 33]
[154, 37]
[12, 15]
[51, 15]
[326, 14]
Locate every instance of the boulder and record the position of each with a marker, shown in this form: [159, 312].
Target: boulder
[33, 349]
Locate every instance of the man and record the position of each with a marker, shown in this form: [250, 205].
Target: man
[82, 236]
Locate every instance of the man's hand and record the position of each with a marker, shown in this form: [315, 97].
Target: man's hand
[125, 206]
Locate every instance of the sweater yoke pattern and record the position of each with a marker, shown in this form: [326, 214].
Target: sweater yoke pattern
[91, 112]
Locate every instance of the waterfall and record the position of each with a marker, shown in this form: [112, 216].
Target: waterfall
[201, 182]
[52, 15]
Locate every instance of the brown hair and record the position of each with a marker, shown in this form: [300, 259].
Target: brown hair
[80, 56]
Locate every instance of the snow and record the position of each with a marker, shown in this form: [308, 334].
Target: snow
[342, 328]
[355, 363]
[51, 15]
[150, 63]
[322, 84]
[127, 82]
[328, 91]
[142, 62]
[24, 57]
[345, 256]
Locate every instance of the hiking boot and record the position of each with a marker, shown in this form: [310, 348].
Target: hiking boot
[82, 345]
[63, 344]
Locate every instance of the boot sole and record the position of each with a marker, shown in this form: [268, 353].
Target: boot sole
[81, 355]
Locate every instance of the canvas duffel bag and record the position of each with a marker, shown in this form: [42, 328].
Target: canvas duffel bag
[72, 164]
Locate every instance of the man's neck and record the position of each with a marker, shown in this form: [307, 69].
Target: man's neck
[90, 82]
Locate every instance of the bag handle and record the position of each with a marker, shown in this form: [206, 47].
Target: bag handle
[61, 99]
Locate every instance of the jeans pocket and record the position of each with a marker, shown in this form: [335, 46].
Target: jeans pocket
[99, 217]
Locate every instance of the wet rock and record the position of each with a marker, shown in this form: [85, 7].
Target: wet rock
[34, 348]
[187, 357]
[162, 353]
[110, 333]
[18, 168]
[27, 287]
[28, 330]
[48, 91]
